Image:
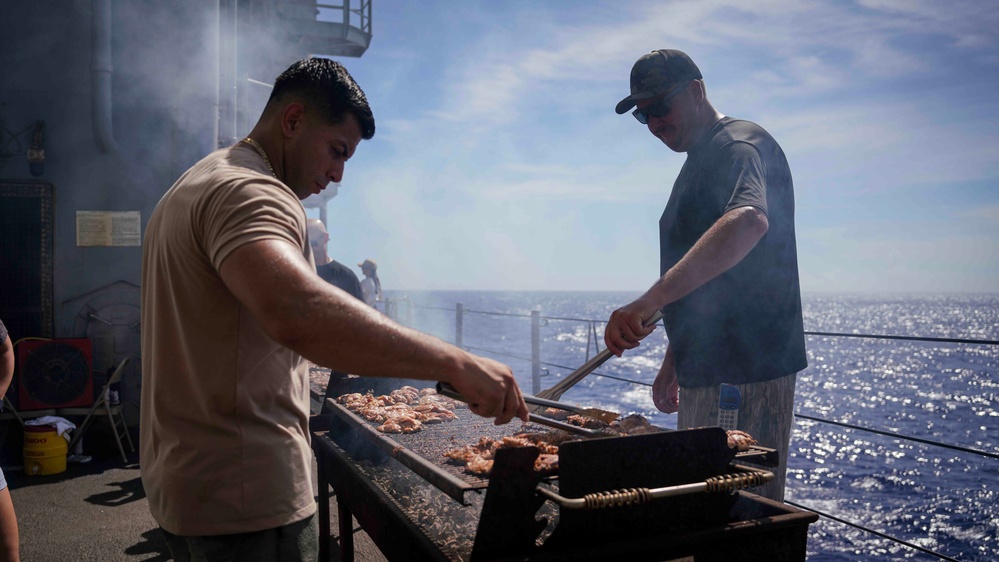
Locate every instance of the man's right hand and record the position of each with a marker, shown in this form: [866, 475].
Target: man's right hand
[625, 327]
[490, 389]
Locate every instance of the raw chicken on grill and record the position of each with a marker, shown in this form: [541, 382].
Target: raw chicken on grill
[409, 425]
[390, 427]
[478, 458]
[485, 448]
[404, 410]
[479, 466]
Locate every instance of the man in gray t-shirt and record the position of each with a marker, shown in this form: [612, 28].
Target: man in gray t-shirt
[729, 287]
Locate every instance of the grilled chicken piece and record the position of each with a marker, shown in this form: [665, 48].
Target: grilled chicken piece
[479, 466]
[429, 419]
[390, 427]
[740, 440]
[408, 424]
[546, 463]
[373, 415]
[642, 430]
[556, 414]
[352, 397]
[587, 422]
[462, 455]
[513, 441]
[628, 423]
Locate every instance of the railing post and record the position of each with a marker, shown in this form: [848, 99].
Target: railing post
[535, 351]
[459, 311]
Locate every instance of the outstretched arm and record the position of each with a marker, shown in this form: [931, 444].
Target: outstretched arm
[729, 240]
[329, 327]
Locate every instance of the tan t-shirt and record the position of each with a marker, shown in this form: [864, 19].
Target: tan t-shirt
[225, 409]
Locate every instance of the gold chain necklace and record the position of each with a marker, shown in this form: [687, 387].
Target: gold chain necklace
[260, 150]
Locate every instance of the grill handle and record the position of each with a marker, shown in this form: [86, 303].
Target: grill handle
[745, 478]
[445, 389]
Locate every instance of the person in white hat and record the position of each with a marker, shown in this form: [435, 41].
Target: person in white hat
[371, 286]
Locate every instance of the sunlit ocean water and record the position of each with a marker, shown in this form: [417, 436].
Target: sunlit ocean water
[937, 498]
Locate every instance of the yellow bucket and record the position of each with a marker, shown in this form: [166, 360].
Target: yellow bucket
[44, 450]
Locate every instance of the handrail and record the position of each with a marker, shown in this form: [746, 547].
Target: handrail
[906, 338]
[807, 332]
[801, 416]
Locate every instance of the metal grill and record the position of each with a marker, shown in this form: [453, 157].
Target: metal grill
[519, 515]
[423, 451]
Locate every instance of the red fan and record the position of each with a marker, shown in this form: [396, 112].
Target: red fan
[55, 374]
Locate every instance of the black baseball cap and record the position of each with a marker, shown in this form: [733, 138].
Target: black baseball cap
[657, 73]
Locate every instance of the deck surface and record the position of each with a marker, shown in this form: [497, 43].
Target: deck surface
[98, 511]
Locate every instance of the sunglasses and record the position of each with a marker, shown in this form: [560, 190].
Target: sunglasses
[659, 108]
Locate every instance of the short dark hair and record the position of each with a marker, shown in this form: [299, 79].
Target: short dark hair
[326, 85]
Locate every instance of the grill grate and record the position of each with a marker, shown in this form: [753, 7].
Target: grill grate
[434, 440]
[423, 451]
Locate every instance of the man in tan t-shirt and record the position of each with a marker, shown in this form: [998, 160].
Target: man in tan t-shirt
[231, 300]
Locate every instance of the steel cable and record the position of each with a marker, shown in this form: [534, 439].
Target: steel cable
[901, 436]
[872, 531]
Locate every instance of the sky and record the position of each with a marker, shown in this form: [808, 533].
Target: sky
[499, 163]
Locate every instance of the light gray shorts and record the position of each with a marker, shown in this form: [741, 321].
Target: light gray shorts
[767, 413]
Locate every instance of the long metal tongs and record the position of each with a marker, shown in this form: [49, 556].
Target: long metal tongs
[596, 413]
[556, 392]
[445, 389]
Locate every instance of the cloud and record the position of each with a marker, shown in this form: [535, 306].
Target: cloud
[988, 212]
[908, 256]
[510, 170]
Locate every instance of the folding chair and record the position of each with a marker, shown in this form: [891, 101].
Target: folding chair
[11, 413]
[102, 407]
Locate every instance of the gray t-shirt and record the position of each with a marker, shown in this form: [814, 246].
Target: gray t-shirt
[744, 325]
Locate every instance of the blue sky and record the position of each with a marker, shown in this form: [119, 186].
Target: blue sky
[499, 163]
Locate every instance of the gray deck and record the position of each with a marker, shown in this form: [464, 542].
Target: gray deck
[98, 511]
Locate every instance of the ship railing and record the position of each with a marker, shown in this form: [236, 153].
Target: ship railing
[401, 309]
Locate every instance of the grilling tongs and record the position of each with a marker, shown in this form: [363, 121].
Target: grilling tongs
[446, 389]
[579, 374]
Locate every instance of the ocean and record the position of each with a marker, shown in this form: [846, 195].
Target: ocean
[934, 497]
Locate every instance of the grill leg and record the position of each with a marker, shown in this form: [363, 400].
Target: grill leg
[324, 514]
[346, 532]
